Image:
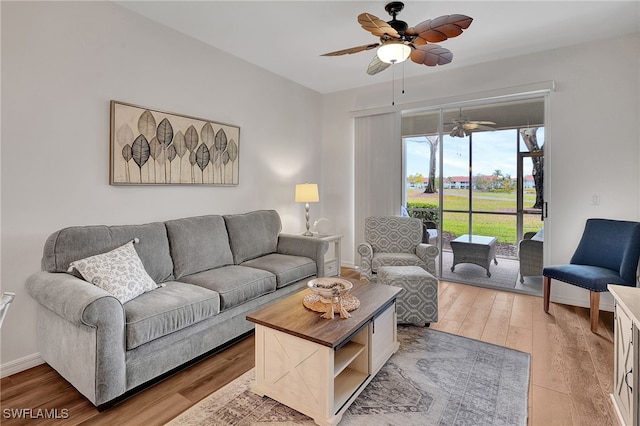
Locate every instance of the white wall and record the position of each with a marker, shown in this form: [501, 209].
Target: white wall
[592, 136]
[62, 62]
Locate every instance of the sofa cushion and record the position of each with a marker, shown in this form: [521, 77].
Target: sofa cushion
[287, 269]
[78, 242]
[253, 234]
[167, 309]
[235, 284]
[197, 244]
[119, 272]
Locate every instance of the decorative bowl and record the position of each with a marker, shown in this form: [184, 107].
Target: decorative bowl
[328, 287]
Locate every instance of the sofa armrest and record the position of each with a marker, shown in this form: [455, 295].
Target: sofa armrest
[70, 297]
[81, 334]
[366, 259]
[298, 245]
[428, 254]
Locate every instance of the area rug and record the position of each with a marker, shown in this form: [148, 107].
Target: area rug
[435, 378]
[503, 275]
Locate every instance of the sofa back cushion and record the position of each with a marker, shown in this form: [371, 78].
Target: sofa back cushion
[79, 242]
[253, 234]
[198, 244]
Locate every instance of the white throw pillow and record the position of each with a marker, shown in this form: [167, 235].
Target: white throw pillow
[119, 272]
[539, 235]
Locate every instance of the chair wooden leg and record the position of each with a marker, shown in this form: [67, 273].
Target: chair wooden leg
[594, 308]
[547, 293]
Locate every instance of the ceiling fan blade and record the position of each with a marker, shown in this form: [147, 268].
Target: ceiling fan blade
[478, 125]
[376, 66]
[483, 127]
[439, 29]
[431, 55]
[352, 50]
[377, 26]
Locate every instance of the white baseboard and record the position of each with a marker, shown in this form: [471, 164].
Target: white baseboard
[20, 364]
[605, 305]
[349, 265]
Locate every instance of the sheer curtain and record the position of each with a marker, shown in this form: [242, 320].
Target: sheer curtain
[378, 170]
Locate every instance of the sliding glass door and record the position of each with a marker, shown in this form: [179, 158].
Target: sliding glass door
[476, 170]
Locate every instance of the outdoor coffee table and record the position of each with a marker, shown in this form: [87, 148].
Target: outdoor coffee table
[319, 366]
[476, 249]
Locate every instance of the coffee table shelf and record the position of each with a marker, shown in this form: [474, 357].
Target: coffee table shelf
[345, 355]
[346, 383]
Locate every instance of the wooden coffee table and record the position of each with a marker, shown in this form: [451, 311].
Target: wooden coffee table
[319, 366]
[476, 249]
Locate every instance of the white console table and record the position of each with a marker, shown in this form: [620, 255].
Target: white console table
[626, 342]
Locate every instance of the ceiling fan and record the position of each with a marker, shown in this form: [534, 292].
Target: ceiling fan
[398, 41]
[463, 126]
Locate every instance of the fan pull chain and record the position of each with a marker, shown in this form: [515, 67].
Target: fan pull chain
[403, 77]
[393, 83]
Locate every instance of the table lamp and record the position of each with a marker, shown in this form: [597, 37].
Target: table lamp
[307, 193]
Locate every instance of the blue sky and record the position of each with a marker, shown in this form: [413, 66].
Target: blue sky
[492, 150]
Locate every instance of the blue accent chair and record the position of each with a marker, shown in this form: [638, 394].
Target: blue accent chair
[607, 254]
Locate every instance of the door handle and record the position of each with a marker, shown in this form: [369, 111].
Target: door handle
[626, 380]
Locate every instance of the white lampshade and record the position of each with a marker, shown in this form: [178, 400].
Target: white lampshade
[393, 53]
[307, 193]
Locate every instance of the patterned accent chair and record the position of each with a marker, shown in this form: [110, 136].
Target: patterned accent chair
[394, 241]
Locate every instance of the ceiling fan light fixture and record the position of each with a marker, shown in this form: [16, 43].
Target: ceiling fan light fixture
[394, 53]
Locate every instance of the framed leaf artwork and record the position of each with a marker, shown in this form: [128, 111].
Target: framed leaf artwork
[150, 147]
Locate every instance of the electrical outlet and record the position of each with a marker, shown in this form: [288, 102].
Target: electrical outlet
[595, 200]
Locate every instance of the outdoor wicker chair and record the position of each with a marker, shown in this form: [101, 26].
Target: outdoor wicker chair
[530, 255]
[429, 231]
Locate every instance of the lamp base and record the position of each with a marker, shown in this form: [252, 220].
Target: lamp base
[306, 215]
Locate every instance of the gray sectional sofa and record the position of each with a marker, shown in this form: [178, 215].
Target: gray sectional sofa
[213, 270]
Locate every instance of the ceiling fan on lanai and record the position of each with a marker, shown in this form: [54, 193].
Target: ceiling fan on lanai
[463, 126]
[398, 41]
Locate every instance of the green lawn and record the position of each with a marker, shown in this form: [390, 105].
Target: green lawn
[498, 225]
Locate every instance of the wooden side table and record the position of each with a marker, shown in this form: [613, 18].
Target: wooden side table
[332, 266]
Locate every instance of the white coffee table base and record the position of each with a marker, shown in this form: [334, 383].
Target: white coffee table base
[319, 381]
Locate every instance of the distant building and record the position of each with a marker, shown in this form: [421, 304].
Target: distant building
[529, 182]
[456, 182]
[462, 182]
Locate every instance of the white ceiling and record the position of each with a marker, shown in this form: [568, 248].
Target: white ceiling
[288, 37]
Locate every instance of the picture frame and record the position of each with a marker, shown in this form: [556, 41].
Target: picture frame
[152, 147]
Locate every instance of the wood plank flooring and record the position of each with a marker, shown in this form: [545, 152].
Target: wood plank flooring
[571, 368]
